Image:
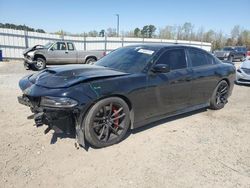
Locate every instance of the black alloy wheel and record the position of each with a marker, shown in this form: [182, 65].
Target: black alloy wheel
[220, 95]
[107, 122]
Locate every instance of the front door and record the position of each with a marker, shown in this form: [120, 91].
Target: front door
[71, 53]
[58, 54]
[170, 91]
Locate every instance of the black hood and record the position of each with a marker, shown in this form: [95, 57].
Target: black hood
[68, 75]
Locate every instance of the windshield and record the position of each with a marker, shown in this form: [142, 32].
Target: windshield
[47, 45]
[128, 59]
[227, 49]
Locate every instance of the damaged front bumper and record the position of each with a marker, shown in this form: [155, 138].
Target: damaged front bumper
[61, 120]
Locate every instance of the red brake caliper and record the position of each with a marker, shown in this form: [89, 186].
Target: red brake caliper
[116, 122]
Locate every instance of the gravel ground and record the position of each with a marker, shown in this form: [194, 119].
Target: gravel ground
[203, 149]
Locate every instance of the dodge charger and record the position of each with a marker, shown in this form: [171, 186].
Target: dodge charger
[130, 87]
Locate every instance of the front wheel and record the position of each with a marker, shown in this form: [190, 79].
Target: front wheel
[40, 64]
[107, 122]
[220, 96]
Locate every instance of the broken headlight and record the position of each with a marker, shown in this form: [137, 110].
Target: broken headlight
[58, 102]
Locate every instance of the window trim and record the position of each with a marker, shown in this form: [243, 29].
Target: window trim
[56, 44]
[68, 46]
[202, 52]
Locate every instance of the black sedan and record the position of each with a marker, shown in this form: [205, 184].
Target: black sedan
[128, 88]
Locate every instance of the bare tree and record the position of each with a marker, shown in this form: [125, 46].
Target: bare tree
[111, 32]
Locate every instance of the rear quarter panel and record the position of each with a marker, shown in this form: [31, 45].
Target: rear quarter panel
[228, 72]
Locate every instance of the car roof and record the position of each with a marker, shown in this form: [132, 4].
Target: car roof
[161, 46]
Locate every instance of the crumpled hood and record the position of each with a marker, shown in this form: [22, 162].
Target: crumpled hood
[68, 75]
[36, 47]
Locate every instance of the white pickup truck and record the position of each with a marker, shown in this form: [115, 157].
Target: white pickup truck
[60, 52]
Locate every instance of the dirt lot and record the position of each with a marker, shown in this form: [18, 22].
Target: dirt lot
[204, 149]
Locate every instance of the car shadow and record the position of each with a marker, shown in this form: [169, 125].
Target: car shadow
[56, 136]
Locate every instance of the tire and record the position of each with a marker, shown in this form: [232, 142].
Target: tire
[40, 64]
[100, 132]
[90, 60]
[230, 58]
[220, 96]
[243, 58]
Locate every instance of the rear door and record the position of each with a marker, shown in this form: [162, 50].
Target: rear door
[204, 77]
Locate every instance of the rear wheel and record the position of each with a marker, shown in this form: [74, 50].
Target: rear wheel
[107, 122]
[220, 95]
[230, 58]
[90, 60]
[243, 58]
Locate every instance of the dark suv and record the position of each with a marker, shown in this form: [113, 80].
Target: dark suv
[231, 53]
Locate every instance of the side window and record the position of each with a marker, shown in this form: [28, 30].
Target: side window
[199, 58]
[59, 46]
[174, 58]
[70, 46]
[210, 59]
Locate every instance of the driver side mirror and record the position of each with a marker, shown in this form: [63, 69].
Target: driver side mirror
[51, 49]
[160, 68]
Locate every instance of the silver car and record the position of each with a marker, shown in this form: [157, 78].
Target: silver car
[243, 73]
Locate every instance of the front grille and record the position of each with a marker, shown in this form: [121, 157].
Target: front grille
[243, 80]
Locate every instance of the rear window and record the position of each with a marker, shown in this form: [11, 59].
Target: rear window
[199, 58]
[70, 46]
[241, 49]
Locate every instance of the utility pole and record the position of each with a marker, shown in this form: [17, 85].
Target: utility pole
[117, 29]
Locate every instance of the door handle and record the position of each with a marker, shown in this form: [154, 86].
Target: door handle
[66, 52]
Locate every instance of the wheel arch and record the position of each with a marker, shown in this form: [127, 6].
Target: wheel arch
[124, 98]
[90, 56]
[227, 80]
[39, 55]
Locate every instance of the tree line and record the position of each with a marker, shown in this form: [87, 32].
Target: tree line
[238, 36]
[20, 27]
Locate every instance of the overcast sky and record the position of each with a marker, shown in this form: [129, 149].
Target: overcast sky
[77, 16]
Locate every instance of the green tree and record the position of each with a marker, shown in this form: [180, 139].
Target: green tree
[102, 33]
[137, 32]
[148, 31]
